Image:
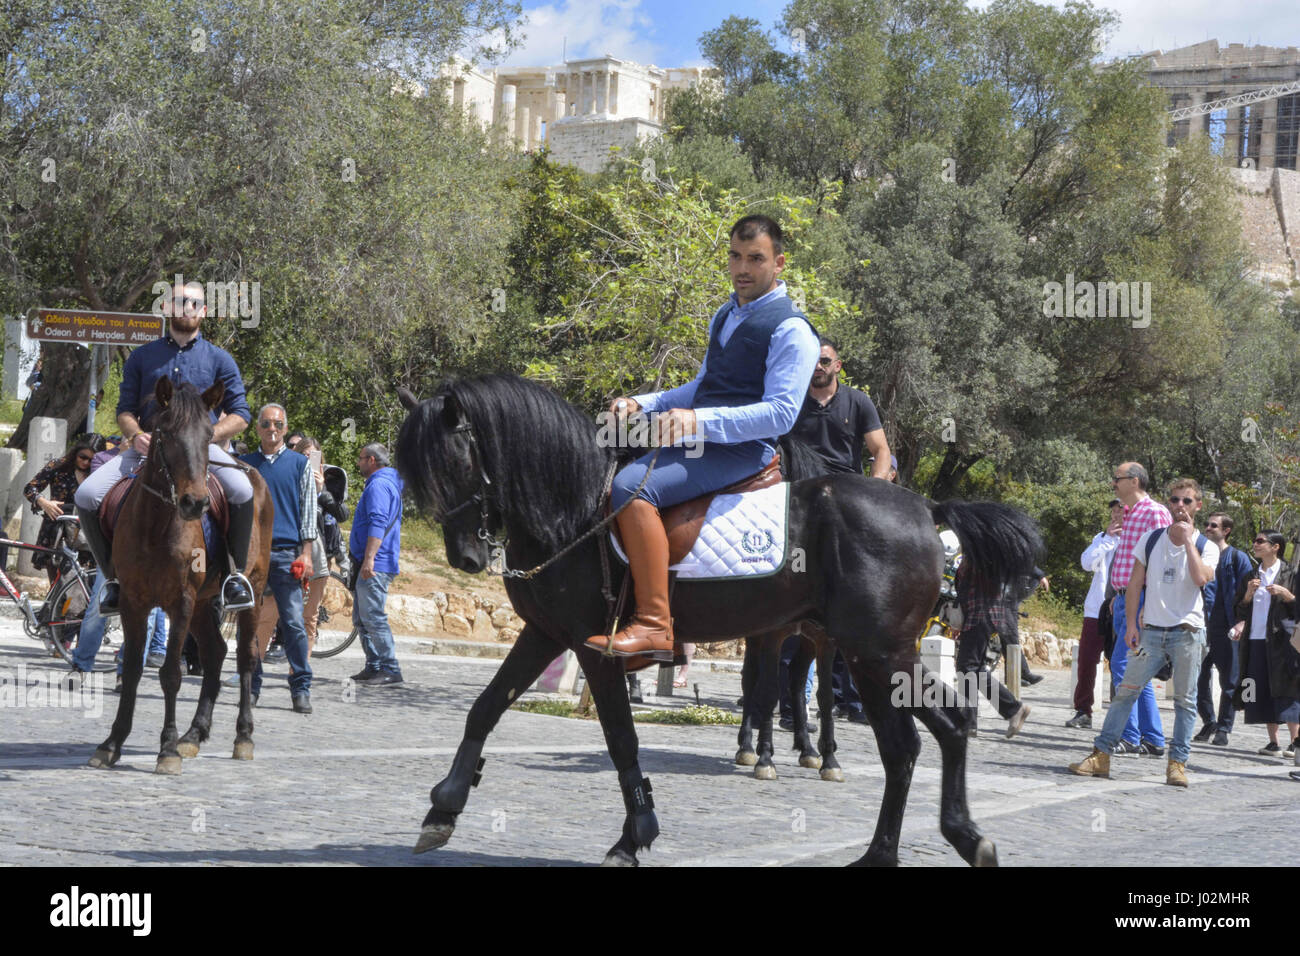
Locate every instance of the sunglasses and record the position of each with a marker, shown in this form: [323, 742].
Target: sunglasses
[825, 362]
[83, 459]
[1262, 541]
[1174, 499]
[1212, 524]
[1116, 480]
[268, 423]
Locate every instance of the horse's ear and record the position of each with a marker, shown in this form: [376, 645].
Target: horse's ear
[212, 397]
[452, 413]
[409, 401]
[162, 392]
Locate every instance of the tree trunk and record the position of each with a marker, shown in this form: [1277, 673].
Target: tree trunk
[65, 373]
[951, 471]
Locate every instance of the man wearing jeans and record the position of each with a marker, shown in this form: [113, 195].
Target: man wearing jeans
[1173, 630]
[292, 488]
[374, 545]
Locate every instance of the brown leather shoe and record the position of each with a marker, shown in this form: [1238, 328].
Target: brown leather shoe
[1176, 774]
[646, 543]
[1096, 764]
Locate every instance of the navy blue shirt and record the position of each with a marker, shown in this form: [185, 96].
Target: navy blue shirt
[1234, 565]
[200, 363]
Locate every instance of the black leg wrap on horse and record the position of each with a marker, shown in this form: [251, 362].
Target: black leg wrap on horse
[450, 795]
[641, 824]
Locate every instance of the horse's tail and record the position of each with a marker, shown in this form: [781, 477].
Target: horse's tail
[1000, 545]
[800, 460]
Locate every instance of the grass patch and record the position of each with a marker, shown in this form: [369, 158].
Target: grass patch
[1047, 612]
[554, 708]
[693, 714]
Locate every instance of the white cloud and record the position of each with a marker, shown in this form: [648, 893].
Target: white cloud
[578, 29]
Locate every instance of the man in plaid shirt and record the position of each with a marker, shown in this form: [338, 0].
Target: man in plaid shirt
[1143, 733]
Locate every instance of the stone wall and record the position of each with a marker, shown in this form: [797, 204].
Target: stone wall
[1269, 205]
[585, 141]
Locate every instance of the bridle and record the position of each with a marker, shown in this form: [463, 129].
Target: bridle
[156, 448]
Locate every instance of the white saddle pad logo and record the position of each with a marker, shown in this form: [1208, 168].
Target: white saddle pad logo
[743, 536]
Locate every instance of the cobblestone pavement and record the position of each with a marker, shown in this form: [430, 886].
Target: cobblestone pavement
[349, 785]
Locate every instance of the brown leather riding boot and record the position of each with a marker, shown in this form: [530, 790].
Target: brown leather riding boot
[646, 545]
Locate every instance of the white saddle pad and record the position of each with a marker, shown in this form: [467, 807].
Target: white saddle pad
[743, 536]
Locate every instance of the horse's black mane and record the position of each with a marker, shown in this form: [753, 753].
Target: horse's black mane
[541, 453]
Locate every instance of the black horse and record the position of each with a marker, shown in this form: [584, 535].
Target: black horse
[499, 456]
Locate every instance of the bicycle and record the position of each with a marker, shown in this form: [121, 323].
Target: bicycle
[57, 621]
[328, 643]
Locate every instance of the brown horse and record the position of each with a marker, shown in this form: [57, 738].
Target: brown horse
[162, 562]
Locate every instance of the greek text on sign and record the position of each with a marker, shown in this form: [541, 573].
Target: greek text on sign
[94, 327]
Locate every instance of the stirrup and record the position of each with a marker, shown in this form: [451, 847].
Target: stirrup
[236, 577]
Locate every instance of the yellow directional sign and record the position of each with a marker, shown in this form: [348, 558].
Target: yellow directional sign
[93, 327]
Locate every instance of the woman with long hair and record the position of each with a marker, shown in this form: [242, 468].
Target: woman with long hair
[1269, 688]
[62, 476]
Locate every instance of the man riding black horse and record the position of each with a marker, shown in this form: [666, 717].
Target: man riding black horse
[183, 355]
[748, 392]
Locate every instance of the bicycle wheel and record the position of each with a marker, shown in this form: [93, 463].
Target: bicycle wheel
[335, 605]
[61, 618]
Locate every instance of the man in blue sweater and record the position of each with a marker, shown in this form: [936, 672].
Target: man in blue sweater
[375, 545]
[293, 491]
[718, 428]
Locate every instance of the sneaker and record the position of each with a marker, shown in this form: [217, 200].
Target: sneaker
[302, 703]
[786, 723]
[276, 654]
[155, 660]
[363, 675]
[1018, 720]
[1031, 679]
[1290, 749]
[1220, 739]
[1124, 748]
[1204, 734]
[1080, 721]
[1096, 764]
[1272, 750]
[1148, 749]
[859, 717]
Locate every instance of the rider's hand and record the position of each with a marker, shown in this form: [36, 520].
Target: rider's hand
[676, 424]
[140, 443]
[52, 509]
[624, 406]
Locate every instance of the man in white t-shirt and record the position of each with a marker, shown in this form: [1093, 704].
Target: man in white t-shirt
[1181, 562]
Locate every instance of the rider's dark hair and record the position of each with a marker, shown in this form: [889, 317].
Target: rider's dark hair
[751, 227]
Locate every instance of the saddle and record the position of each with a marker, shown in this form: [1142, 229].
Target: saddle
[684, 521]
[111, 506]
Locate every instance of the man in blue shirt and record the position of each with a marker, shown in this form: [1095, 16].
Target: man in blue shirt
[183, 355]
[748, 392]
[1223, 653]
[375, 544]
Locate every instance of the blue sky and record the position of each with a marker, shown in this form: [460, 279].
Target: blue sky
[666, 32]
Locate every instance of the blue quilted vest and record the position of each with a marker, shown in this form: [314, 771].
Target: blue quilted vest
[734, 373]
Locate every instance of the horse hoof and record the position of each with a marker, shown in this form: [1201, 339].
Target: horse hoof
[432, 836]
[243, 750]
[168, 765]
[765, 772]
[102, 759]
[812, 763]
[187, 749]
[833, 774]
[746, 758]
[619, 858]
[986, 854]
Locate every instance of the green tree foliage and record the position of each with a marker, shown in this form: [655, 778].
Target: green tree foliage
[260, 141]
